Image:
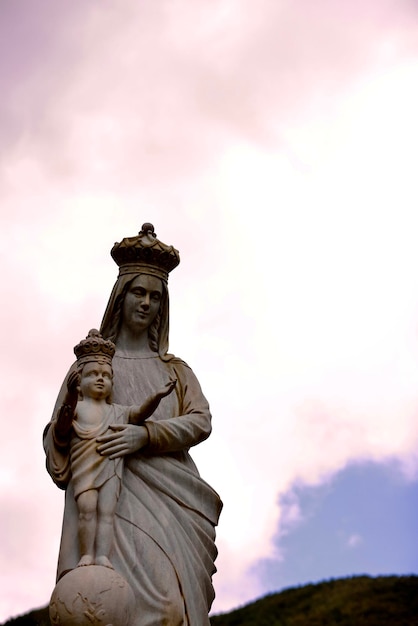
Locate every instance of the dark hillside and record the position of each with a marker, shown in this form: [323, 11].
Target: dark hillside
[357, 601]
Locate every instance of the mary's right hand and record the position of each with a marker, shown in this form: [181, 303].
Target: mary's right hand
[124, 439]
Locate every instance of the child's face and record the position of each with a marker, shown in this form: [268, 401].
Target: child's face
[96, 380]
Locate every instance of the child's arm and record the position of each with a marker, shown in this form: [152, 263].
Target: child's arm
[138, 414]
[67, 409]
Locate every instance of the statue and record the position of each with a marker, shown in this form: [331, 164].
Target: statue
[87, 413]
[165, 515]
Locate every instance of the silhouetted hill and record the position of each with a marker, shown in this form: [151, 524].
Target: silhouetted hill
[37, 617]
[356, 601]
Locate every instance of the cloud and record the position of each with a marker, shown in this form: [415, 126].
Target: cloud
[354, 540]
[131, 96]
[342, 530]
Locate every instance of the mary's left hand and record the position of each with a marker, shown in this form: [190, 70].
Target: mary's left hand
[125, 439]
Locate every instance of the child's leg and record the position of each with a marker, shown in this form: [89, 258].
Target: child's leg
[87, 522]
[108, 497]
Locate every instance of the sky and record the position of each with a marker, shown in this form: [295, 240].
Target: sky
[274, 144]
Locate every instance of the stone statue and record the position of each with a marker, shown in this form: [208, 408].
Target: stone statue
[165, 515]
[87, 413]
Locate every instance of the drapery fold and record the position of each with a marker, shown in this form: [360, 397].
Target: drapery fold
[166, 514]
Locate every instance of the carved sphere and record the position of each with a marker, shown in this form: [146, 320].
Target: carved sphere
[92, 596]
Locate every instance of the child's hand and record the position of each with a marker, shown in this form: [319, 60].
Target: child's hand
[140, 414]
[168, 388]
[73, 383]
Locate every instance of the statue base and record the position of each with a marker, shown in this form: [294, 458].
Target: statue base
[92, 596]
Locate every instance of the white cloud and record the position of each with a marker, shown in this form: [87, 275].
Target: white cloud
[354, 540]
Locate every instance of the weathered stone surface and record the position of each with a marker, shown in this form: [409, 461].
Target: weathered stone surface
[92, 596]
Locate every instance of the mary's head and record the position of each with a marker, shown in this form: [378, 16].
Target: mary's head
[139, 304]
[139, 300]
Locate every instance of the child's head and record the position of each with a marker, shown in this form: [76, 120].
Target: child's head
[96, 379]
[94, 359]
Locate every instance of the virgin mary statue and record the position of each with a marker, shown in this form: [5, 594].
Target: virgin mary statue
[164, 526]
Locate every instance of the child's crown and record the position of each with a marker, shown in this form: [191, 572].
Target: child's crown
[94, 348]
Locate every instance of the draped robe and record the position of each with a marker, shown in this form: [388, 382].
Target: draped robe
[166, 513]
[89, 469]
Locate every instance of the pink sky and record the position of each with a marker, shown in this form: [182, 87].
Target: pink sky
[274, 144]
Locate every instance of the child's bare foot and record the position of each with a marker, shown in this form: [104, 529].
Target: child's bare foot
[104, 561]
[86, 559]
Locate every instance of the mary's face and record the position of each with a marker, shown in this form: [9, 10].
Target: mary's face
[142, 303]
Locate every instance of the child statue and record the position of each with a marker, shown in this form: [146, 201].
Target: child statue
[86, 414]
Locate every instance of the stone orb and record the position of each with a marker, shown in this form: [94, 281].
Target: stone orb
[92, 596]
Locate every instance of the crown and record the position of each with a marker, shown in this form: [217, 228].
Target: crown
[94, 348]
[145, 253]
